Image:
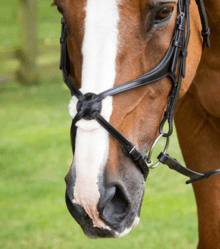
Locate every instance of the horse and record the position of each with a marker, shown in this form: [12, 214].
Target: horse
[109, 50]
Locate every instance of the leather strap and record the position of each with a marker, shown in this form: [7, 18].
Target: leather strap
[159, 72]
[128, 148]
[64, 64]
[175, 165]
[204, 19]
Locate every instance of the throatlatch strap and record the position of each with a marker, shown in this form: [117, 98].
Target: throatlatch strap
[175, 165]
[205, 26]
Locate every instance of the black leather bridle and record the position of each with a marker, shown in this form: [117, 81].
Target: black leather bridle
[89, 105]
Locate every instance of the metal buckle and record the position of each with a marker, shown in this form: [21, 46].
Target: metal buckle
[132, 150]
[181, 14]
[149, 162]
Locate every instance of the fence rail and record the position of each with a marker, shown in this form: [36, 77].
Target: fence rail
[47, 63]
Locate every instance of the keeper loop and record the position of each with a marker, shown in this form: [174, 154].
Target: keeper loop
[206, 32]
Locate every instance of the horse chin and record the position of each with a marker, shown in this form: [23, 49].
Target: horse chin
[88, 228]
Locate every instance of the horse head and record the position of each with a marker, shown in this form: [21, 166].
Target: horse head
[110, 43]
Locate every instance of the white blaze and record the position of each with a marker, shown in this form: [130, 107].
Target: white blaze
[98, 74]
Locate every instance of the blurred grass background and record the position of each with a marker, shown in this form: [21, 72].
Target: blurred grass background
[35, 155]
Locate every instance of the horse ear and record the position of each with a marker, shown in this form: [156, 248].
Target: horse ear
[52, 4]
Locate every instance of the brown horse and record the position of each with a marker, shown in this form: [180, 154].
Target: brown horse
[113, 42]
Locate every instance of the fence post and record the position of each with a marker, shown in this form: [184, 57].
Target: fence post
[28, 72]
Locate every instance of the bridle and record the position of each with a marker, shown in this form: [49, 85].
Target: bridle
[89, 105]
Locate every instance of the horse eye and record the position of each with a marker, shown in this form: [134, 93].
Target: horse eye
[164, 13]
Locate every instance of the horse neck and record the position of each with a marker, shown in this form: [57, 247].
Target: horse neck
[213, 13]
[206, 83]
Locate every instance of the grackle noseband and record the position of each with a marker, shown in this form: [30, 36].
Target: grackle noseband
[89, 105]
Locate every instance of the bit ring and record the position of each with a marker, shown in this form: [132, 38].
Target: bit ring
[152, 148]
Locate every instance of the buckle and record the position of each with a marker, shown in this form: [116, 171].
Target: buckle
[130, 152]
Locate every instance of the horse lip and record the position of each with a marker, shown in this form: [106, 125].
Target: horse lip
[85, 221]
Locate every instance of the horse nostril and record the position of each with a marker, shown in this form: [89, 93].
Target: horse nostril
[114, 207]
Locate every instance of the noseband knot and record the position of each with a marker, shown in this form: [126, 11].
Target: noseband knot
[89, 105]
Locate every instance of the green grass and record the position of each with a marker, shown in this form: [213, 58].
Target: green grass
[35, 155]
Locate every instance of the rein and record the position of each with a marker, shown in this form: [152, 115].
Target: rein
[89, 105]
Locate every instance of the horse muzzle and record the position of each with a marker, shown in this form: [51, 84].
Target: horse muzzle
[117, 210]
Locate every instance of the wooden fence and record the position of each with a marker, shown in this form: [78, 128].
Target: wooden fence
[13, 69]
[32, 60]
